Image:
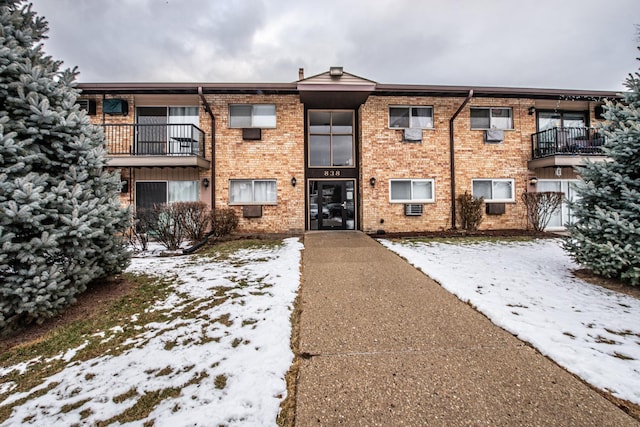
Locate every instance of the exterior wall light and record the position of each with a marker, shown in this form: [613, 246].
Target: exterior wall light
[372, 181]
[205, 182]
[533, 180]
[293, 181]
[532, 110]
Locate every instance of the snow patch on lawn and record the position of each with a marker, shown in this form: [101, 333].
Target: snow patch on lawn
[528, 289]
[221, 358]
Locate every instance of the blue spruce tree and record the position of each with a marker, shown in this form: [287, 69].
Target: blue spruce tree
[60, 215]
[606, 236]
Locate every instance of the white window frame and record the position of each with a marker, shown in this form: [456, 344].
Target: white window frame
[491, 125]
[410, 108]
[253, 201]
[253, 108]
[512, 199]
[412, 199]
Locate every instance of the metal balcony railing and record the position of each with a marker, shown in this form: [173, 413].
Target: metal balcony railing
[566, 141]
[154, 140]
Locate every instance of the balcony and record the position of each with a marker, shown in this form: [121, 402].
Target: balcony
[565, 147]
[151, 145]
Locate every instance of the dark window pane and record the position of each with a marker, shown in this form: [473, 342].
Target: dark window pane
[342, 150]
[149, 194]
[319, 122]
[480, 118]
[239, 116]
[320, 150]
[342, 122]
[400, 190]
[398, 117]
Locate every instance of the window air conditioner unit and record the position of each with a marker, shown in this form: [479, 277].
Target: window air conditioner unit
[115, 107]
[495, 208]
[252, 211]
[412, 135]
[413, 210]
[252, 134]
[89, 105]
[493, 136]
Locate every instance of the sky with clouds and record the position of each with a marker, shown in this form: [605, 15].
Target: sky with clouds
[566, 44]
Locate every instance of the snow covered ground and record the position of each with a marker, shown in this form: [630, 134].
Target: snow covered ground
[527, 288]
[225, 349]
[228, 360]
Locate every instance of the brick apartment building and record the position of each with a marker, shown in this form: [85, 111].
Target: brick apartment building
[337, 151]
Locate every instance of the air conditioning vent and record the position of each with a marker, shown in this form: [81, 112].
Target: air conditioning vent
[89, 105]
[252, 211]
[413, 210]
[493, 136]
[412, 135]
[495, 208]
[252, 134]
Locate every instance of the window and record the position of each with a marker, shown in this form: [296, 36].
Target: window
[411, 117]
[411, 191]
[563, 215]
[252, 116]
[552, 119]
[491, 118]
[150, 193]
[494, 190]
[331, 139]
[257, 191]
[168, 130]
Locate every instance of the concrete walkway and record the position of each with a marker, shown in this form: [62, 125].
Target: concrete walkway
[384, 345]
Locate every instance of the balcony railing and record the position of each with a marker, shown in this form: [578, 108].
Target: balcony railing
[567, 141]
[154, 140]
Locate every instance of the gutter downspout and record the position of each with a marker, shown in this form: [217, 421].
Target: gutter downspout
[207, 108]
[452, 160]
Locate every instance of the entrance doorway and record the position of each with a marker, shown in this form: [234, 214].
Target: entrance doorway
[331, 205]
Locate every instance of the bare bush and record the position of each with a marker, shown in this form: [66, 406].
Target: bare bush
[195, 218]
[470, 211]
[223, 222]
[168, 228]
[139, 233]
[540, 207]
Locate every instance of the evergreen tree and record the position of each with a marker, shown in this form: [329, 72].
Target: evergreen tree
[606, 236]
[60, 215]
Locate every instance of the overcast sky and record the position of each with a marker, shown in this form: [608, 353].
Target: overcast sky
[566, 44]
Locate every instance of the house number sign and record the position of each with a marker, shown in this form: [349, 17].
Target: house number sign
[331, 173]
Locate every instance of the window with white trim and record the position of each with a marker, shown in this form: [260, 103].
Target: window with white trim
[419, 117]
[494, 190]
[252, 116]
[491, 118]
[411, 191]
[252, 192]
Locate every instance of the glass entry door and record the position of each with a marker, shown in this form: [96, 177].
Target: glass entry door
[331, 205]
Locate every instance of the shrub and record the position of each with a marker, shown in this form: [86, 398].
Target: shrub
[139, 233]
[540, 207]
[470, 211]
[223, 222]
[168, 229]
[195, 218]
